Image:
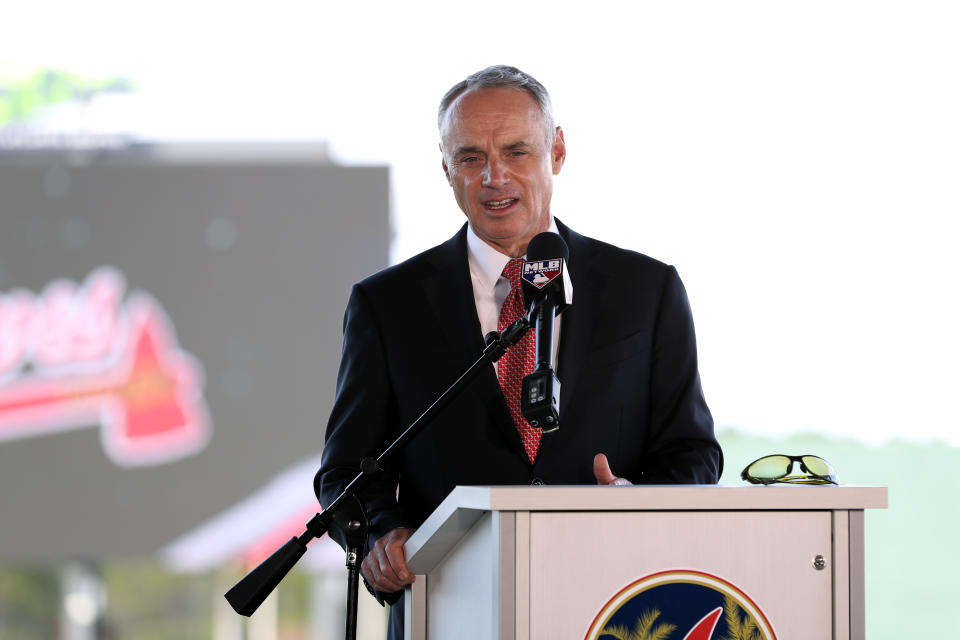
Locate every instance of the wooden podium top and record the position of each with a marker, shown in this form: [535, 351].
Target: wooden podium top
[466, 505]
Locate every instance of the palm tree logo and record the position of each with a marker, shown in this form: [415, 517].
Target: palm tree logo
[681, 605]
[645, 629]
[740, 626]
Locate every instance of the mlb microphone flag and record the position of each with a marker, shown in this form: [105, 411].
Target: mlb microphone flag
[540, 273]
[543, 274]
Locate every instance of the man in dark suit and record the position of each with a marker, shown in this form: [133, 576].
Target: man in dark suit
[630, 397]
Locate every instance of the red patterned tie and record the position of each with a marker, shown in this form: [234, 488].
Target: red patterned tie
[519, 360]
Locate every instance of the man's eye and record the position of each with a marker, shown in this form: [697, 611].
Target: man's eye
[469, 160]
[518, 153]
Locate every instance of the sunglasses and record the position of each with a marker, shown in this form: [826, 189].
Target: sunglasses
[777, 468]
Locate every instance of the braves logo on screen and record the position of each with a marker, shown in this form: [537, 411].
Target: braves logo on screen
[540, 273]
[681, 605]
[76, 356]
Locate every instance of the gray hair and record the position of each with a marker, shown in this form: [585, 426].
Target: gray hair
[501, 76]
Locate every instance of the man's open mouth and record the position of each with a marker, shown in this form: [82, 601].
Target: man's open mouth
[497, 205]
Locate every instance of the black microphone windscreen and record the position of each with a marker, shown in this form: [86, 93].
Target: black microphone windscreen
[547, 245]
[543, 269]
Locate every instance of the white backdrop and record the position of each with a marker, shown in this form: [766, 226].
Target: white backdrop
[796, 161]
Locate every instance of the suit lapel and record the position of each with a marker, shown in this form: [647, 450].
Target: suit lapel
[578, 320]
[449, 292]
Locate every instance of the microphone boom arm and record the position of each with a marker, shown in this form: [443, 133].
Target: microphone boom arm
[347, 510]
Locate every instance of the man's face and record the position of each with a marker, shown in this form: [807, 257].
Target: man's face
[501, 166]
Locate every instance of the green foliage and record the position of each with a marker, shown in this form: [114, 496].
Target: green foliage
[144, 602]
[20, 98]
[29, 603]
[294, 602]
[147, 603]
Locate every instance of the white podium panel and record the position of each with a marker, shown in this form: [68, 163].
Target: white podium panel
[525, 563]
[571, 579]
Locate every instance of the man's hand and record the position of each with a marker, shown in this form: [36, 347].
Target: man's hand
[601, 469]
[385, 567]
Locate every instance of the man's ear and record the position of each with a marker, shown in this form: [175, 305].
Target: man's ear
[558, 153]
[446, 171]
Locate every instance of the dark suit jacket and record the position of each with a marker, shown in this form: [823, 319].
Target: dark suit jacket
[627, 366]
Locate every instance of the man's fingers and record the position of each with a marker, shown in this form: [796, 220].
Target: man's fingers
[398, 561]
[385, 567]
[374, 575]
[603, 474]
[601, 469]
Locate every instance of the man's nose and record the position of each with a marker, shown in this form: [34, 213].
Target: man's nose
[495, 173]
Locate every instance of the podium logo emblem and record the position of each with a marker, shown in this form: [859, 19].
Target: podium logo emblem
[681, 605]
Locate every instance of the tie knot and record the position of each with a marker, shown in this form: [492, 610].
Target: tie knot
[512, 272]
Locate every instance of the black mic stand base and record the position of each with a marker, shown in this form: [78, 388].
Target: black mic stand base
[353, 522]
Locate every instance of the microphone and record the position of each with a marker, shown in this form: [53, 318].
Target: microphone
[543, 280]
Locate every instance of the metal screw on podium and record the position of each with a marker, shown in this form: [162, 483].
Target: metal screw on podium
[819, 563]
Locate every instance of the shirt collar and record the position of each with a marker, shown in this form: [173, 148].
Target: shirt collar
[486, 263]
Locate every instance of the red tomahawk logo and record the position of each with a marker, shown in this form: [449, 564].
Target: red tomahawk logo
[147, 398]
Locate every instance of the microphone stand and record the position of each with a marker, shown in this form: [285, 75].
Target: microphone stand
[347, 510]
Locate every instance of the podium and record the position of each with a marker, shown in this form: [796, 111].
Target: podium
[585, 562]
